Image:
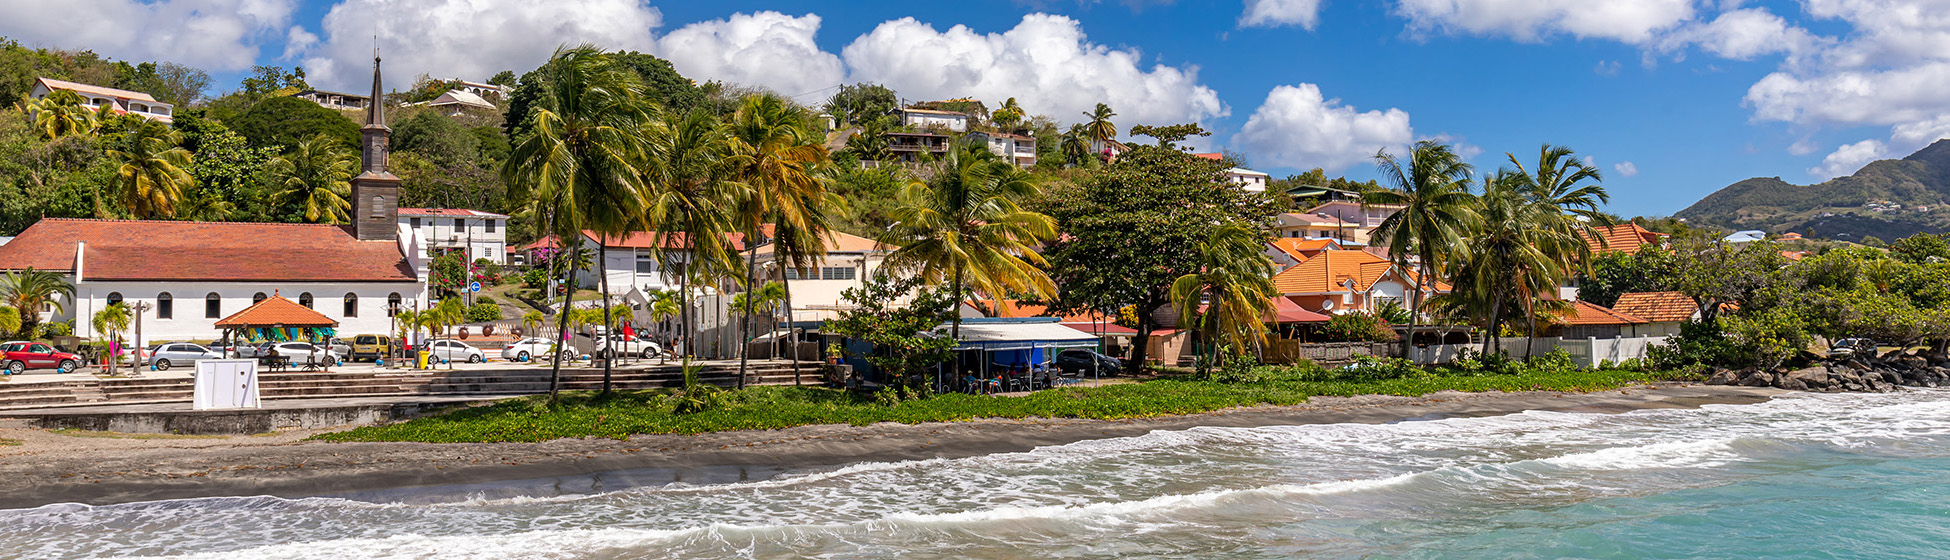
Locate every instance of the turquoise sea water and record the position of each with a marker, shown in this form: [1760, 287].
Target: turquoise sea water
[1805, 476]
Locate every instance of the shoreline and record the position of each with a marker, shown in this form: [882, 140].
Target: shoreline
[50, 468]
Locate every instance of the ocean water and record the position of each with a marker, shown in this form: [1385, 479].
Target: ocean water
[1803, 476]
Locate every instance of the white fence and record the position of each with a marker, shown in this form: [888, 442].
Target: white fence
[1587, 352]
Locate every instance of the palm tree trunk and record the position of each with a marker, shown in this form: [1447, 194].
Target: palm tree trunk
[954, 330]
[1530, 309]
[684, 307]
[562, 323]
[751, 290]
[1414, 313]
[792, 343]
[1496, 315]
[602, 260]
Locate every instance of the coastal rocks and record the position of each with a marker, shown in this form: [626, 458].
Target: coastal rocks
[1847, 376]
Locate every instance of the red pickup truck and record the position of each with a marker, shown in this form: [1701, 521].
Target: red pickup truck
[18, 357]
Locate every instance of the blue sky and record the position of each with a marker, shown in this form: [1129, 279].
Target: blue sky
[1671, 98]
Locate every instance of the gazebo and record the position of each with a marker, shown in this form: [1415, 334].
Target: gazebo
[279, 320]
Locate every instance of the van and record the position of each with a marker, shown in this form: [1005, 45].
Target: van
[371, 347]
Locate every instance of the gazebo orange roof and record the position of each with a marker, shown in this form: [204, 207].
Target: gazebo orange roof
[275, 311]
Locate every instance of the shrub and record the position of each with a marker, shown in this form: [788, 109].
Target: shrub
[535, 279]
[1357, 327]
[484, 299]
[1698, 343]
[1239, 369]
[483, 311]
[1558, 361]
[1370, 368]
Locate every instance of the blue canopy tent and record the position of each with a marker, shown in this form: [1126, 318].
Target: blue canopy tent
[1029, 343]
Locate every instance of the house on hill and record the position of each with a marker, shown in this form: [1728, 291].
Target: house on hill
[482, 235]
[120, 101]
[1014, 147]
[1313, 226]
[955, 121]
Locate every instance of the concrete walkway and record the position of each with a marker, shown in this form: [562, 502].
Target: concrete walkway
[92, 373]
[267, 404]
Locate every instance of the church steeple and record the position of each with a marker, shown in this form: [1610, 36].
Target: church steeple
[375, 192]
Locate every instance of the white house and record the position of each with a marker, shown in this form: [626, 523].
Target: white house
[335, 100]
[456, 102]
[1014, 147]
[480, 234]
[632, 259]
[849, 261]
[1364, 217]
[119, 100]
[1251, 181]
[924, 118]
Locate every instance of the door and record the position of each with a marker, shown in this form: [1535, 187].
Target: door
[40, 355]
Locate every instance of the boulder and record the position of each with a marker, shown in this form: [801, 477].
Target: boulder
[1722, 377]
[1758, 379]
[1813, 377]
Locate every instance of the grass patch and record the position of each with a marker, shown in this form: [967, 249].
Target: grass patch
[10, 442]
[623, 414]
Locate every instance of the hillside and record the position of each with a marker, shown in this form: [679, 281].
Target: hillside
[1887, 199]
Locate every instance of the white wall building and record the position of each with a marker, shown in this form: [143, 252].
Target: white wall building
[1014, 147]
[1251, 181]
[924, 118]
[120, 100]
[849, 261]
[481, 234]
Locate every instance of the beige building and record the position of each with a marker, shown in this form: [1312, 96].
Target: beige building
[121, 101]
[816, 292]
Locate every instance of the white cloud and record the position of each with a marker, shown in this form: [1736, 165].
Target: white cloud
[1626, 169]
[1297, 127]
[1274, 13]
[1045, 62]
[767, 48]
[1630, 21]
[1745, 34]
[211, 34]
[1849, 158]
[470, 39]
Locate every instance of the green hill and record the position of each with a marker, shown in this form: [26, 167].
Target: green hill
[1888, 199]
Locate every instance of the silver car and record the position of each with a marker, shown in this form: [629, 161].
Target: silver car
[305, 353]
[180, 353]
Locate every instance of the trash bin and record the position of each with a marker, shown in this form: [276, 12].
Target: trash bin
[424, 355]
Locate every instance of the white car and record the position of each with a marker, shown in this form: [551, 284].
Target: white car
[600, 346]
[526, 349]
[306, 354]
[457, 351]
[180, 353]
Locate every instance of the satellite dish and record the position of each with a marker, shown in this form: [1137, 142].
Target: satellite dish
[1327, 305]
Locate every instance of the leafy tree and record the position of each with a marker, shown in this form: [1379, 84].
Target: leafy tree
[1358, 326]
[1616, 273]
[62, 178]
[898, 316]
[1170, 136]
[168, 82]
[1436, 210]
[504, 78]
[424, 183]
[437, 137]
[154, 172]
[268, 80]
[659, 82]
[863, 104]
[1132, 230]
[967, 227]
[483, 312]
[225, 170]
[1921, 248]
[283, 122]
[873, 194]
[1232, 286]
[314, 180]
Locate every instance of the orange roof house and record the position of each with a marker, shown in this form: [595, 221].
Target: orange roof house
[1584, 313]
[1339, 280]
[1289, 251]
[1658, 307]
[1626, 238]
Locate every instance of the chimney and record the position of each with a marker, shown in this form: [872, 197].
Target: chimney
[375, 192]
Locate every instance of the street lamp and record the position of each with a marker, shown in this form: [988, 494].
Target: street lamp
[135, 367]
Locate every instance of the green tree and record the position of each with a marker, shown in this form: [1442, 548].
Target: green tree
[967, 227]
[694, 195]
[863, 104]
[582, 161]
[1505, 263]
[268, 80]
[1921, 248]
[10, 322]
[27, 290]
[284, 122]
[154, 172]
[776, 156]
[1434, 210]
[898, 316]
[438, 137]
[1170, 136]
[661, 84]
[1008, 116]
[1233, 288]
[169, 82]
[315, 179]
[1076, 146]
[60, 114]
[1134, 229]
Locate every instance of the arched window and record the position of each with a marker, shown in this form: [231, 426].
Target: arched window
[392, 304]
[305, 300]
[165, 306]
[114, 298]
[351, 305]
[257, 298]
[212, 306]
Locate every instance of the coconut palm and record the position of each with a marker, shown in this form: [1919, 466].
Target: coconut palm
[1505, 262]
[60, 114]
[531, 321]
[581, 159]
[801, 247]
[443, 317]
[317, 176]
[112, 320]
[1098, 128]
[777, 157]
[664, 306]
[1234, 286]
[1565, 190]
[1076, 146]
[27, 290]
[763, 301]
[1008, 115]
[967, 227]
[1434, 211]
[691, 172]
[154, 171]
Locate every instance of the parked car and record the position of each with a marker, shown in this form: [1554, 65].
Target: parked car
[370, 347]
[339, 345]
[222, 348]
[1078, 360]
[630, 346]
[301, 353]
[456, 351]
[167, 355]
[18, 357]
[1851, 347]
[526, 349]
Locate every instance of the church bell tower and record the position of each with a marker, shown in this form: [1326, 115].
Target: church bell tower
[375, 192]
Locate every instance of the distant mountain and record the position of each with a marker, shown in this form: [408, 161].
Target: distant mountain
[1887, 199]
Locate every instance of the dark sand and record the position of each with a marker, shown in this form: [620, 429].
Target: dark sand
[51, 468]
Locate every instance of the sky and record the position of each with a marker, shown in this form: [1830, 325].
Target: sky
[1671, 99]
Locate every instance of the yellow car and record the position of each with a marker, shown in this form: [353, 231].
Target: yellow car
[369, 347]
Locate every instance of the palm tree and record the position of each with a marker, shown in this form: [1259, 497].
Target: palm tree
[692, 199]
[1098, 128]
[1505, 262]
[664, 305]
[763, 301]
[1566, 191]
[1233, 284]
[1434, 212]
[112, 320]
[1008, 115]
[154, 171]
[967, 227]
[583, 156]
[442, 318]
[531, 321]
[777, 156]
[316, 175]
[60, 114]
[1076, 146]
[27, 290]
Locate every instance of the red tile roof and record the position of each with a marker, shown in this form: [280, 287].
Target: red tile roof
[1304, 248]
[1587, 313]
[1017, 308]
[1626, 238]
[1657, 307]
[159, 250]
[1329, 271]
[275, 311]
[448, 212]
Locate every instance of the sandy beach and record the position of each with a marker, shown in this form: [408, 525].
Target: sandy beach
[48, 467]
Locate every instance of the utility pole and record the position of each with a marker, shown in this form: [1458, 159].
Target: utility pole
[135, 368]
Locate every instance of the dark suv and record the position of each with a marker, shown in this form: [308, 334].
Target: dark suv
[1077, 360]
